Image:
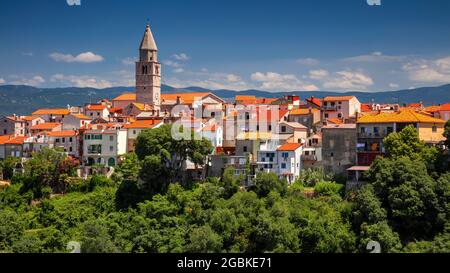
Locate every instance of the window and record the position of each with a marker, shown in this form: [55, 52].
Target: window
[332, 154]
[57, 140]
[339, 115]
[70, 139]
[283, 165]
[111, 148]
[270, 128]
[285, 155]
[63, 140]
[111, 138]
[434, 129]
[134, 132]
[245, 149]
[70, 149]
[326, 115]
[283, 129]
[5, 132]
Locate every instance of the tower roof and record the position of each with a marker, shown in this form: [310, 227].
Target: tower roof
[148, 43]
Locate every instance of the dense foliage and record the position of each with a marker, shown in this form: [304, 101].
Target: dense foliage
[405, 207]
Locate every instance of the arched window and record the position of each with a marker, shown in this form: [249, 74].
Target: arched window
[144, 70]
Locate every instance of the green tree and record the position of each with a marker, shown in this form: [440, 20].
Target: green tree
[367, 208]
[8, 166]
[407, 144]
[129, 167]
[447, 134]
[96, 239]
[382, 233]
[267, 182]
[168, 153]
[204, 240]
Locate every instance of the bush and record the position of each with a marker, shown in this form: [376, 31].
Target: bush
[99, 181]
[328, 189]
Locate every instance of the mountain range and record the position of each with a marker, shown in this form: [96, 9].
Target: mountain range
[23, 100]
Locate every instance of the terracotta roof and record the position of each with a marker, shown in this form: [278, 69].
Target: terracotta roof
[335, 120]
[187, 98]
[289, 147]
[4, 139]
[366, 108]
[115, 110]
[16, 140]
[245, 98]
[96, 107]
[415, 105]
[344, 98]
[126, 97]
[29, 118]
[340, 126]
[51, 112]
[315, 101]
[266, 101]
[81, 116]
[142, 124]
[432, 109]
[45, 126]
[302, 111]
[445, 107]
[69, 133]
[404, 116]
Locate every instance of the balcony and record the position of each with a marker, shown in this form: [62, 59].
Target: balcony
[372, 135]
[309, 157]
[329, 108]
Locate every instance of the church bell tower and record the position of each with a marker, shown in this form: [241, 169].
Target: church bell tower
[148, 72]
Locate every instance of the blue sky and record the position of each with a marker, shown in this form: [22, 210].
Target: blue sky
[254, 44]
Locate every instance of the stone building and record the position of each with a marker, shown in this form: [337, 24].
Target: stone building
[339, 147]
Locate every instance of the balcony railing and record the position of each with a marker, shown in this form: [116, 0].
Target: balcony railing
[309, 157]
[329, 108]
[372, 135]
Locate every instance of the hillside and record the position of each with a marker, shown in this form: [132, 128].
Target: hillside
[23, 100]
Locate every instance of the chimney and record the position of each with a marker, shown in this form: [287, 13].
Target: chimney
[178, 100]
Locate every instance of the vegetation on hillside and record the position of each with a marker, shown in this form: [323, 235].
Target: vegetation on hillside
[405, 206]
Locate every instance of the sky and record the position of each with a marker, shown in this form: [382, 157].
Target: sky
[332, 45]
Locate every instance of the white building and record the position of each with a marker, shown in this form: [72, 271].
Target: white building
[284, 160]
[75, 121]
[103, 144]
[95, 111]
[214, 133]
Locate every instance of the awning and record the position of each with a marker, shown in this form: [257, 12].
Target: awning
[359, 168]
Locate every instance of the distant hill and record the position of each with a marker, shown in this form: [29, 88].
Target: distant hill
[23, 100]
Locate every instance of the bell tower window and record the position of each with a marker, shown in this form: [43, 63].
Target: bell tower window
[144, 70]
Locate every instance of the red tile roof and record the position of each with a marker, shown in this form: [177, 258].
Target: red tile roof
[45, 126]
[51, 112]
[16, 140]
[69, 133]
[142, 124]
[289, 147]
[344, 98]
[445, 107]
[4, 139]
[96, 107]
[315, 101]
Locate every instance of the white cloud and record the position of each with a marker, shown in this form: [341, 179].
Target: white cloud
[81, 81]
[28, 54]
[308, 61]
[348, 81]
[129, 61]
[86, 57]
[318, 74]
[2, 81]
[375, 57]
[209, 80]
[394, 85]
[31, 81]
[178, 70]
[429, 71]
[172, 64]
[181, 57]
[272, 81]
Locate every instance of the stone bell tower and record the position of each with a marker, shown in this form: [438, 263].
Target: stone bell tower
[148, 72]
